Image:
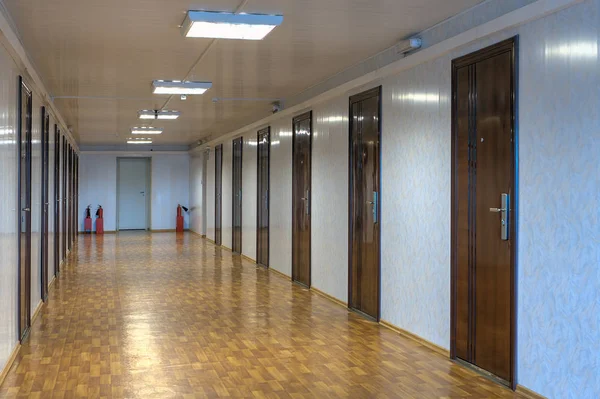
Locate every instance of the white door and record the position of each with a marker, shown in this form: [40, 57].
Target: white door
[133, 188]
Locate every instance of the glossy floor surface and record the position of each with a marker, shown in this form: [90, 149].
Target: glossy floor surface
[141, 315]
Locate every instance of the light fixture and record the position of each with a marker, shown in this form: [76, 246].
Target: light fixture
[158, 114]
[139, 142]
[224, 25]
[146, 130]
[178, 87]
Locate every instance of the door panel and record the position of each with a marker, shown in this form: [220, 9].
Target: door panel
[25, 110]
[57, 159]
[218, 194]
[262, 233]
[301, 199]
[483, 170]
[364, 283]
[45, 201]
[236, 244]
[63, 223]
[132, 189]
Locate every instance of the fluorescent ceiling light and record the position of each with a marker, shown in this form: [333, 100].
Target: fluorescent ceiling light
[139, 141]
[179, 87]
[223, 25]
[146, 130]
[157, 114]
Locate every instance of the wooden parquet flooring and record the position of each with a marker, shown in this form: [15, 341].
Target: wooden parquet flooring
[140, 315]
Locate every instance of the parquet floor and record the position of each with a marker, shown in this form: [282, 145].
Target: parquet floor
[141, 315]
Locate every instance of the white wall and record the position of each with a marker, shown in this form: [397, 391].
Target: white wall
[196, 205]
[170, 184]
[170, 187]
[559, 177]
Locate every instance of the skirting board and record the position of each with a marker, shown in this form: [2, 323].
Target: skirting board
[278, 273]
[36, 312]
[166, 230]
[93, 232]
[52, 281]
[249, 259]
[209, 240]
[331, 298]
[528, 393]
[197, 234]
[442, 351]
[9, 362]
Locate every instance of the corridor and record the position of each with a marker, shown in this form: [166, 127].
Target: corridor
[161, 315]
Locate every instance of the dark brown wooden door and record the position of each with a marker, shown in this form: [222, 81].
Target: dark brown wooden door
[25, 108]
[301, 198]
[218, 194]
[63, 232]
[236, 244]
[262, 216]
[364, 274]
[69, 196]
[57, 159]
[45, 200]
[482, 213]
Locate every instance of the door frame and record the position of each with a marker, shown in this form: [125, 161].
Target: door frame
[241, 140]
[295, 120]
[510, 44]
[22, 334]
[258, 199]
[376, 91]
[148, 161]
[45, 202]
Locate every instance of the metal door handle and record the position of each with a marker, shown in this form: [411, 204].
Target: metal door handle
[374, 204]
[504, 215]
[26, 210]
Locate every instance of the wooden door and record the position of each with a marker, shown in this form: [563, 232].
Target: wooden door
[63, 231]
[301, 198]
[218, 193]
[69, 196]
[45, 200]
[236, 245]
[24, 272]
[56, 200]
[483, 210]
[365, 133]
[262, 216]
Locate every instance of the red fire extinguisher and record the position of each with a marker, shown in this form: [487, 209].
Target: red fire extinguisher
[179, 224]
[100, 220]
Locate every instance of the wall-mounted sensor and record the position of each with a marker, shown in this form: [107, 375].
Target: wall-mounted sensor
[183, 97]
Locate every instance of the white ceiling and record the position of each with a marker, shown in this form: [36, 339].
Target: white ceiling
[114, 49]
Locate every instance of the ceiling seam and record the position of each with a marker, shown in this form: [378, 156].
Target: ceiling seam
[237, 10]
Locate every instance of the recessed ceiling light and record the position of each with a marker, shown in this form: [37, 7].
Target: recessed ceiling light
[139, 141]
[146, 130]
[158, 114]
[179, 87]
[223, 25]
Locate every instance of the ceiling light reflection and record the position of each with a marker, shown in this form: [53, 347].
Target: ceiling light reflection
[573, 50]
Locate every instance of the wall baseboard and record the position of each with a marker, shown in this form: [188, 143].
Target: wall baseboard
[165, 230]
[249, 259]
[331, 298]
[528, 393]
[9, 363]
[225, 248]
[434, 347]
[197, 234]
[93, 232]
[36, 312]
[52, 282]
[209, 240]
[280, 274]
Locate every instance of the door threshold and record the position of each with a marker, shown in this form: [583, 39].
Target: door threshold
[363, 314]
[484, 373]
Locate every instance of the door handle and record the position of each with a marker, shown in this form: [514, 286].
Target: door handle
[306, 202]
[26, 209]
[504, 212]
[374, 204]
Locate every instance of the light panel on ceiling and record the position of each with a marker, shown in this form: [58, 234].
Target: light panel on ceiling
[146, 130]
[158, 114]
[177, 87]
[139, 141]
[222, 25]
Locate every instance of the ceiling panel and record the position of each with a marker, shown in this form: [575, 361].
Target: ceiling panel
[110, 51]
